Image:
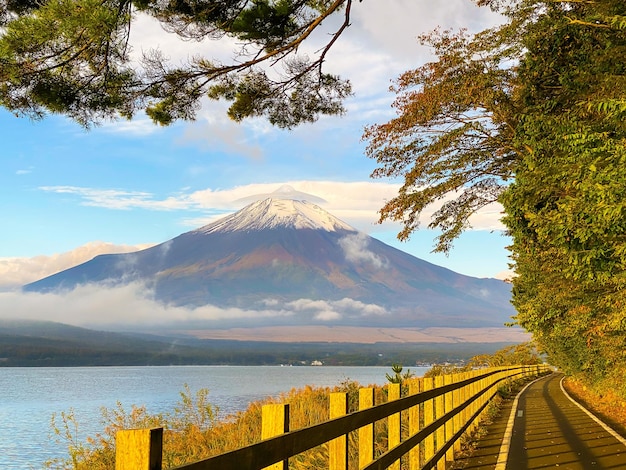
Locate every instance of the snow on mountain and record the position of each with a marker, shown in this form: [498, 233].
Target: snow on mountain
[274, 213]
[284, 192]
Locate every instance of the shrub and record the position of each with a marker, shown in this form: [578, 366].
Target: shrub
[192, 431]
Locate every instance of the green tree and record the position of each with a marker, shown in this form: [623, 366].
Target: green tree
[530, 114]
[515, 355]
[566, 208]
[398, 377]
[73, 57]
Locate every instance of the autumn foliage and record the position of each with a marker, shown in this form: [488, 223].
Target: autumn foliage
[529, 114]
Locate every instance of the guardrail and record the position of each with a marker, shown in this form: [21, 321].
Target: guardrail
[440, 410]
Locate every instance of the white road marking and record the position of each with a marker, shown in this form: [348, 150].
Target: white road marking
[592, 416]
[508, 434]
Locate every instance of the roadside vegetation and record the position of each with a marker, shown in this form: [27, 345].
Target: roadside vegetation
[529, 114]
[606, 404]
[192, 430]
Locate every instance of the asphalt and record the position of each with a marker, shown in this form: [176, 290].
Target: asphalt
[549, 431]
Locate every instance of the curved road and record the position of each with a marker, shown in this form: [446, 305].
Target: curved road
[544, 429]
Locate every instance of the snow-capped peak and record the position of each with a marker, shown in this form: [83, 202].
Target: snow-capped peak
[284, 192]
[274, 213]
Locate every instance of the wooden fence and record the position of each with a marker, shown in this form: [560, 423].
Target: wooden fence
[439, 411]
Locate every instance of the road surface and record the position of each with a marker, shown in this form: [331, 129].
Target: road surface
[544, 429]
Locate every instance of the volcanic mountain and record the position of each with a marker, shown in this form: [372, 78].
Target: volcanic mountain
[289, 256]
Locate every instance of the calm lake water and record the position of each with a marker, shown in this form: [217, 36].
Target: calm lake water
[31, 395]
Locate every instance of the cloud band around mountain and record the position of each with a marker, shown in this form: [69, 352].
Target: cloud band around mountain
[132, 305]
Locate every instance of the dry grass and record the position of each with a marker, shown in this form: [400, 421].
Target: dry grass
[607, 406]
[192, 432]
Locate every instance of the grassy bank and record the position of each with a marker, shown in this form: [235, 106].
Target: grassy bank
[192, 431]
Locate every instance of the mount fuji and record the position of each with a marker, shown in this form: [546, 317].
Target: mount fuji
[291, 257]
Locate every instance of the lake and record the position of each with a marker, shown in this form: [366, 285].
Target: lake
[31, 395]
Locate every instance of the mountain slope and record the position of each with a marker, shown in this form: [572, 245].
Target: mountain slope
[283, 255]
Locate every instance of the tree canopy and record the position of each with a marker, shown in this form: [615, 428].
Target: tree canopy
[451, 141]
[566, 210]
[530, 114]
[73, 57]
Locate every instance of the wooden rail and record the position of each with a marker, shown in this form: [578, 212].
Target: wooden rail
[439, 411]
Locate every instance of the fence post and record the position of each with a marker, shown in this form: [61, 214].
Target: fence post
[274, 422]
[457, 400]
[449, 406]
[338, 448]
[366, 433]
[415, 387]
[465, 396]
[139, 449]
[429, 417]
[393, 421]
[474, 389]
[484, 382]
[440, 434]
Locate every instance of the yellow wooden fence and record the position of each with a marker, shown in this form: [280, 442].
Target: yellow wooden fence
[440, 410]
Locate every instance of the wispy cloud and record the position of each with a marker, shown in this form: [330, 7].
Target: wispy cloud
[132, 305]
[506, 275]
[215, 132]
[356, 203]
[120, 199]
[356, 251]
[15, 272]
[138, 127]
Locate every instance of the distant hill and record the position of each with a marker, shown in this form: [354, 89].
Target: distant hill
[285, 255]
[47, 344]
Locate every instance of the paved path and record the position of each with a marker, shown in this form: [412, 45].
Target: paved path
[546, 430]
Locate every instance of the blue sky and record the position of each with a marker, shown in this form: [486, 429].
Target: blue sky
[68, 194]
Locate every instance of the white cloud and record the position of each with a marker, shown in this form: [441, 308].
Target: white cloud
[332, 310]
[382, 42]
[354, 202]
[147, 34]
[321, 310]
[119, 199]
[506, 275]
[96, 305]
[488, 218]
[139, 126]
[327, 315]
[356, 307]
[355, 250]
[214, 131]
[15, 272]
[133, 305]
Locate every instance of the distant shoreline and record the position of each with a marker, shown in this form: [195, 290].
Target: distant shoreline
[49, 344]
[363, 335]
